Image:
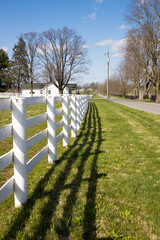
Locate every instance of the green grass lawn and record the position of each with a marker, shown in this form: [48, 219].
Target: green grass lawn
[104, 186]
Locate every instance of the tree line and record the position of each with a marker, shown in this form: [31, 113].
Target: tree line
[54, 55]
[142, 62]
[117, 87]
[140, 68]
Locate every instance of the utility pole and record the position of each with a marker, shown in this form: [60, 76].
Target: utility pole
[107, 75]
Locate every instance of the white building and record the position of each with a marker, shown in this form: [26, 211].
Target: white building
[39, 89]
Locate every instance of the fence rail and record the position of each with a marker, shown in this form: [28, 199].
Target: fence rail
[75, 104]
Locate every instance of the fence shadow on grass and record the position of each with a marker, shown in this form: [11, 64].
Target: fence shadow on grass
[91, 121]
[89, 226]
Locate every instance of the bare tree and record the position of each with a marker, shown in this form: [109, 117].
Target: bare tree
[134, 59]
[115, 87]
[123, 78]
[31, 40]
[63, 54]
[145, 17]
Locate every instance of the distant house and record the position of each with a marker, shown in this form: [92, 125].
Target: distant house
[39, 89]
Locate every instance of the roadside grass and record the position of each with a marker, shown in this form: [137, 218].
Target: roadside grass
[124, 98]
[140, 100]
[105, 185]
[96, 96]
[150, 101]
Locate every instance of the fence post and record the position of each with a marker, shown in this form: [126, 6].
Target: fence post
[65, 107]
[81, 110]
[78, 111]
[73, 117]
[82, 106]
[19, 148]
[85, 104]
[51, 124]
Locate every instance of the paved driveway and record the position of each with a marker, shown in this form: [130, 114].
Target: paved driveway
[144, 106]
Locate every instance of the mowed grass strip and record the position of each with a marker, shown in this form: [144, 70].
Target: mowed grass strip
[105, 185]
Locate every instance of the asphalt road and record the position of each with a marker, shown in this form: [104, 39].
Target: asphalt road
[144, 106]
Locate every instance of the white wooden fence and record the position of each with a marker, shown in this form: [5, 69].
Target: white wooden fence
[17, 129]
[10, 94]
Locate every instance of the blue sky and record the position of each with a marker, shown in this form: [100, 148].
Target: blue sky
[100, 22]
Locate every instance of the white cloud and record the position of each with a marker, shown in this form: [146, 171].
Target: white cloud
[123, 27]
[91, 16]
[4, 48]
[85, 46]
[45, 47]
[116, 46]
[118, 54]
[107, 42]
[99, 1]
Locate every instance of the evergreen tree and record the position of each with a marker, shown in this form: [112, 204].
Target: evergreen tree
[4, 62]
[8, 81]
[19, 64]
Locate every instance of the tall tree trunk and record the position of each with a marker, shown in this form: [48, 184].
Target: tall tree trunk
[18, 87]
[31, 82]
[145, 87]
[157, 92]
[61, 91]
[154, 92]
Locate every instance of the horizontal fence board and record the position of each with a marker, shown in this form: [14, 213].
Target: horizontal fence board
[59, 136]
[35, 100]
[59, 124]
[70, 116]
[6, 131]
[91, 96]
[31, 122]
[6, 160]
[58, 99]
[5, 104]
[6, 189]
[37, 158]
[59, 111]
[8, 95]
[36, 138]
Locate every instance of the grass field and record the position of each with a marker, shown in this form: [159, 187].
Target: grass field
[104, 186]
